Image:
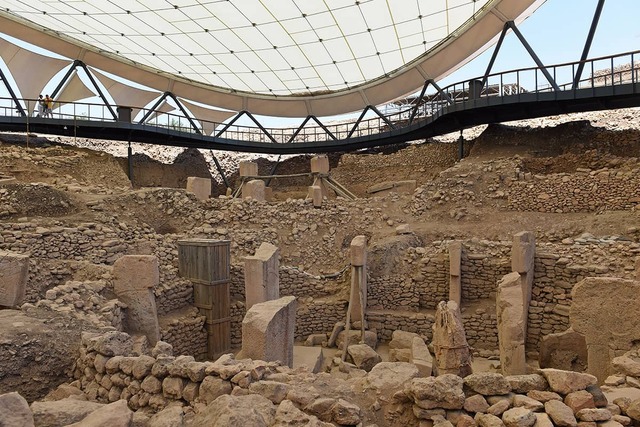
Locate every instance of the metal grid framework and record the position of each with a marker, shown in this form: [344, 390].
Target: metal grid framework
[277, 47]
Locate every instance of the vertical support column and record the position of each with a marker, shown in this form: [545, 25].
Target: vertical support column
[358, 298]
[135, 277]
[262, 275]
[130, 162]
[455, 280]
[512, 325]
[461, 146]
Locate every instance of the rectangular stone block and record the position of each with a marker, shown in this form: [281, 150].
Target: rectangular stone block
[512, 319]
[358, 250]
[254, 189]
[523, 252]
[421, 357]
[320, 164]
[14, 270]
[268, 331]
[262, 275]
[268, 194]
[248, 168]
[134, 278]
[316, 195]
[201, 187]
[455, 275]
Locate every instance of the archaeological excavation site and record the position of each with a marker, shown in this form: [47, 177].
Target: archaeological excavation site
[399, 286]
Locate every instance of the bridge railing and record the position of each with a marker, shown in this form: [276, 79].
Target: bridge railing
[599, 72]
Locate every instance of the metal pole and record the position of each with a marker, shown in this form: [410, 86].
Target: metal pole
[130, 163]
[587, 44]
[495, 53]
[12, 94]
[461, 146]
[273, 170]
[533, 55]
[220, 171]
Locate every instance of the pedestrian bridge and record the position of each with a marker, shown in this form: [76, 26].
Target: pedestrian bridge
[610, 82]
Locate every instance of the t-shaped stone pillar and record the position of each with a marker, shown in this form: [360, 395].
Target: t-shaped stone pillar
[523, 253]
[268, 331]
[262, 275]
[248, 169]
[14, 269]
[320, 165]
[358, 278]
[135, 276]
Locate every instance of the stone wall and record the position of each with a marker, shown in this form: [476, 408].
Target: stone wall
[481, 327]
[480, 275]
[385, 322]
[186, 334]
[584, 191]
[392, 293]
[238, 310]
[316, 316]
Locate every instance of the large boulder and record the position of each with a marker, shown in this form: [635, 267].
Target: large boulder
[62, 412]
[14, 411]
[488, 383]
[444, 392]
[388, 377]
[250, 410]
[116, 414]
[560, 414]
[402, 339]
[364, 357]
[565, 382]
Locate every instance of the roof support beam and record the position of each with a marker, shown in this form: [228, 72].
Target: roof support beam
[587, 43]
[19, 107]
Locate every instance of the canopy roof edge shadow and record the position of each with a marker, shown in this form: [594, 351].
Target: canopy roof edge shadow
[460, 46]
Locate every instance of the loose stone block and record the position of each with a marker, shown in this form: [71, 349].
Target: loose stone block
[455, 282]
[522, 261]
[262, 275]
[201, 187]
[565, 350]
[135, 277]
[268, 331]
[512, 317]
[600, 311]
[254, 189]
[248, 168]
[14, 269]
[320, 164]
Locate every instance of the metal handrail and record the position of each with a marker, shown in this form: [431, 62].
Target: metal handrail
[506, 83]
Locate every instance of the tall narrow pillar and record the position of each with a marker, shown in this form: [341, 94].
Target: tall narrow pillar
[358, 297]
[455, 281]
[452, 353]
[522, 261]
[248, 169]
[512, 321]
[261, 275]
[135, 277]
[320, 165]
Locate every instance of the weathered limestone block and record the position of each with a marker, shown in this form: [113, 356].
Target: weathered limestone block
[522, 261]
[116, 414]
[565, 350]
[565, 382]
[201, 187]
[316, 195]
[488, 383]
[444, 392]
[600, 311]
[268, 331]
[249, 410]
[452, 355]
[248, 168]
[320, 164]
[14, 269]
[62, 412]
[262, 275]
[135, 277]
[455, 279]
[358, 251]
[254, 189]
[512, 318]
[421, 357]
[14, 411]
[364, 357]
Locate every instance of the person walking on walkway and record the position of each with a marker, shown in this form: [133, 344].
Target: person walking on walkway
[41, 106]
[48, 108]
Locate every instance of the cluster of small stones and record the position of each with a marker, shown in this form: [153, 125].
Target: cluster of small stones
[392, 293]
[237, 313]
[386, 322]
[627, 370]
[480, 274]
[84, 301]
[109, 370]
[318, 315]
[481, 328]
[187, 333]
[554, 397]
[584, 191]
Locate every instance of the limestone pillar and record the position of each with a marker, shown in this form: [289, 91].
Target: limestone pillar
[320, 165]
[452, 355]
[248, 169]
[262, 275]
[135, 277]
[455, 281]
[316, 195]
[254, 189]
[268, 331]
[358, 278]
[522, 261]
[512, 319]
[201, 187]
[14, 270]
